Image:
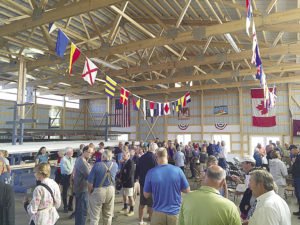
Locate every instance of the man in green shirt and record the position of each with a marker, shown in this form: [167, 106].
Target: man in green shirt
[206, 206]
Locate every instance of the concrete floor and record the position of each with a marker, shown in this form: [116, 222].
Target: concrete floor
[22, 218]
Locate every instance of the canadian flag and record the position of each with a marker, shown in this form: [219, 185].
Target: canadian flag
[167, 110]
[262, 116]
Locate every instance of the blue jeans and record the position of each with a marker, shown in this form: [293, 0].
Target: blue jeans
[81, 208]
[65, 182]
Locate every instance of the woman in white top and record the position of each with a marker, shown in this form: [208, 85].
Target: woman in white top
[46, 198]
[279, 172]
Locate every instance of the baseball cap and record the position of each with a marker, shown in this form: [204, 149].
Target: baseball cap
[293, 147]
[248, 158]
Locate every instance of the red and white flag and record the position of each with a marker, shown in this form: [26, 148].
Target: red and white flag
[151, 104]
[167, 110]
[122, 114]
[89, 72]
[124, 95]
[262, 116]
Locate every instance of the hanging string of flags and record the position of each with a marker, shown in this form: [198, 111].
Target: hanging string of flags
[269, 96]
[90, 72]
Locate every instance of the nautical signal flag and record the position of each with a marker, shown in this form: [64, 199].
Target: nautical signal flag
[249, 15]
[178, 105]
[110, 86]
[124, 94]
[188, 97]
[61, 43]
[151, 104]
[167, 110]
[183, 101]
[160, 109]
[136, 104]
[144, 108]
[173, 107]
[74, 55]
[89, 72]
[52, 27]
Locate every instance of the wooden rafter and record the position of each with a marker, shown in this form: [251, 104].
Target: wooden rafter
[57, 14]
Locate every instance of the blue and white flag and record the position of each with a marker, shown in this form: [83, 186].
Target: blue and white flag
[160, 109]
[61, 43]
[52, 27]
[249, 15]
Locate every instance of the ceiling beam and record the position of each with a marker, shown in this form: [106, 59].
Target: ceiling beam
[56, 14]
[178, 77]
[185, 22]
[196, 34]
[201, 60]
[181, 77]
[293, 28]
[270, 6]
[141, 5]
[245, 83]
[280, 80]
[183, 12]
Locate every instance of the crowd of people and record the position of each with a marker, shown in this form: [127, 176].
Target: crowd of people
[157, 172]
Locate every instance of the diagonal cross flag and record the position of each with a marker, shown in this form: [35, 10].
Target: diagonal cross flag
[124, 94]
[89, 72]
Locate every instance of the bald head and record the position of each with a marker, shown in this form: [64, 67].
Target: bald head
[216, 173]
[215, 176]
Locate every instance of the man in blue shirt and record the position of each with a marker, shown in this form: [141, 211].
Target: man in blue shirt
[165, 182]
[101, 186]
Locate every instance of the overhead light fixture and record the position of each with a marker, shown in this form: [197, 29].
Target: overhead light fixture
[163, 86]
[95, 92]
[2, 59]
[30, 77]
[34, 50]
[65, 84]
[101, 80]
[232, 43]
[43, 87]
[107, 64]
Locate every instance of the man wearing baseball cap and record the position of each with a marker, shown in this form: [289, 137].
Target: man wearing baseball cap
[296, 173]
[248, 163]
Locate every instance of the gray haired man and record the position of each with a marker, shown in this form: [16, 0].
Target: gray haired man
[207, 205]
[101, 186]
[271, 209]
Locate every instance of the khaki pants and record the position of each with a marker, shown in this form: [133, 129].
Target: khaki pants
[281, 190]
[102, 199]
[159, 218]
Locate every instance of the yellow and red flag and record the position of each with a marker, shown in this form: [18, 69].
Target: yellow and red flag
[74, 55]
